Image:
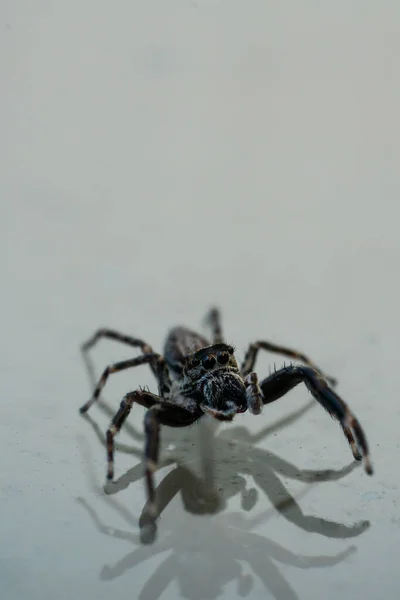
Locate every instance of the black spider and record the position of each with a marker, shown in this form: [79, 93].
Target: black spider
[208, 380]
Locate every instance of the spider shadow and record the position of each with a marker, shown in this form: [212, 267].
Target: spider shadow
[237, 459]
[205, 556]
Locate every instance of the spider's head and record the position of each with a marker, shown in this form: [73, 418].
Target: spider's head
[209, 359]
[211, 376]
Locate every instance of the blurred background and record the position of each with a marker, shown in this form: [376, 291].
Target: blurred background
[158, 158]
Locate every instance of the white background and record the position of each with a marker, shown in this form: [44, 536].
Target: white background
[158, 157]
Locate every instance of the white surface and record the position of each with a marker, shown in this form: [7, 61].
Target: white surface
[157, 157]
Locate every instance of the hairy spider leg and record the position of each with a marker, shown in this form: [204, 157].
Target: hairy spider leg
[111, 334]
[251, 355]
[160, 369]
[160, 412]
[281, 382]
[213, 320]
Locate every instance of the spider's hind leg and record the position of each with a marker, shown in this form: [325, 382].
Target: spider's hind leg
[111, 334]
[155, 360]
[213, 321]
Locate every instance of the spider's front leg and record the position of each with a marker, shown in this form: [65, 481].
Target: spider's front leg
[251, 355]
[141, 397]
[281, 382]
[161, 412]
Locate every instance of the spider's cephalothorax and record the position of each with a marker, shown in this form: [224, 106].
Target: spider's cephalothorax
[208, 380]
[211, 377]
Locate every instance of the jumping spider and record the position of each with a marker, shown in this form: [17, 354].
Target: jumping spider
[208, 380]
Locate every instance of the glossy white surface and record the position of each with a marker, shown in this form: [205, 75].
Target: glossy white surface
[157, 157]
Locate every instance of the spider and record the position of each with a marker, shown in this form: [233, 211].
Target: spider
[206, 379]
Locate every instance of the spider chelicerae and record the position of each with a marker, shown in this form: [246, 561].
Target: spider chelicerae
[196, 378]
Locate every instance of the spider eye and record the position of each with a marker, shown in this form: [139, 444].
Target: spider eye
[223, 358]
[208, 361]
[194, 363]
[231, 350]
